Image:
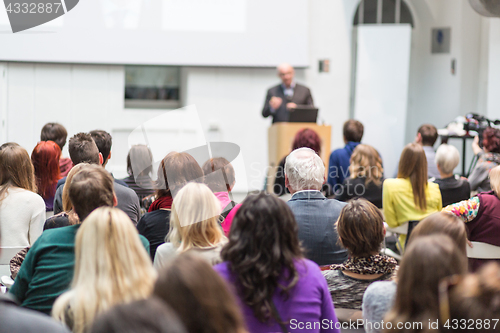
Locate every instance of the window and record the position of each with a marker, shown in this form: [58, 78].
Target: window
[152, 87]
[383, 12]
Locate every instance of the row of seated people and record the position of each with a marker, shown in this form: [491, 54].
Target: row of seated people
[357, 169]
[314, 214]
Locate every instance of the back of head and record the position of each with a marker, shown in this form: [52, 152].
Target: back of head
[103, 141]
[199, 296]
[16, 168]
[442, 223]
[491, 140]
[429, 134]
[194, 218]
[307, 138]
[305, 170]
[366, 162]
[361, 228]
[82, 148]
[91, 188]
[67, 205]
[111, 267]
[221, 181]
[476, 298]
[45, 158]
[353, 131]
[447, 158]
[54, 132]
[139, 161]
[495, 180]
[146, 316]
[417, 293]
[413, 165]
[263, 243]
[175, 171]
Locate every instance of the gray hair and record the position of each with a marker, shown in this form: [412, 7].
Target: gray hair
[304, 169]
[447, 158]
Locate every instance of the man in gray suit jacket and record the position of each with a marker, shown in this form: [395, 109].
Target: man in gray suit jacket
[315, 214]
[283, 98]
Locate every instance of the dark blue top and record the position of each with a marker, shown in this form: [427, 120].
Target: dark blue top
[338, 168]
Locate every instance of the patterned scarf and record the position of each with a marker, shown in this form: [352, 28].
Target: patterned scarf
[376, 264]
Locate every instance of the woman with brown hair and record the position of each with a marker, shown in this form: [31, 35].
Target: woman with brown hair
[379, 296]
[361, 231]
[410, 197]
[277, 288]
[488, 157]
[199, 296]
[427, 261]
[45, 158]
[366, 176]
[174, 171]
[22, 210]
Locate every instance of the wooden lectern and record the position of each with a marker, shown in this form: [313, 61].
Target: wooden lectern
[280, 137]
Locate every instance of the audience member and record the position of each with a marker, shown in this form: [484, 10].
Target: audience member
[194, 226]
[228, 221]
[57, 133]
[45, 158]
[304, 138]
[315, 214]
[67, 216]
[426, 137]
[174, 171]
[338, 167]
[472, 299]
[417, 295]
[481, 215]
[22, 210]
[83, 147]
[361, 231]
[139, 169]
[366, 176]
[48, 268]
[111, 267]
[145, 316]
[104, 141]
[410, 197]
[199, 296]
[453, 187]
[488, 158]
[220, 182]
[379, 296]
[263, 261]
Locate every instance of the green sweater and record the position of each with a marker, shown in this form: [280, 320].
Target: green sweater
[47, 270]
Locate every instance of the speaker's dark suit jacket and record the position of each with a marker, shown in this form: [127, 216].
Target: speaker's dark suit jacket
[316, 217]
[301, 96]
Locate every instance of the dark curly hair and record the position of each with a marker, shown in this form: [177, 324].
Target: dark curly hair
[491, 140]
[263, 245]
[307, 138]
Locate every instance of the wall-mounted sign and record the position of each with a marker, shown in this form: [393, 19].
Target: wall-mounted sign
[441, 40]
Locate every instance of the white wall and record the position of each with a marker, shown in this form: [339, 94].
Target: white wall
[493, 97]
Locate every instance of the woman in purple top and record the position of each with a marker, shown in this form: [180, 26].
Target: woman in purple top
[278, 289]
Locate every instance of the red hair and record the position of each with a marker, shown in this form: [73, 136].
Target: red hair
[45, 158]
[307, 138]
[491, 140]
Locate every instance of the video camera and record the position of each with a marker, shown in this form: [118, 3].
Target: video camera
[478, 123]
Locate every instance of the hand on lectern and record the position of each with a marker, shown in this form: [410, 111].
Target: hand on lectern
[275, 102]
[291, 106]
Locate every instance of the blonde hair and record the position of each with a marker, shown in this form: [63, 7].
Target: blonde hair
[67, 205]
[366, 162]
[495, 180]
[112, 267]
[194, 221]
[447, 158]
